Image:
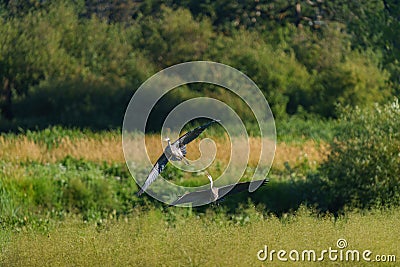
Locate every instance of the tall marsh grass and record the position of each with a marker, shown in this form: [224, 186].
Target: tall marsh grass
[156, 238]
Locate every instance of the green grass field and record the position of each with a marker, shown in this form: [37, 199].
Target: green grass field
[175, 238]
[61, 204]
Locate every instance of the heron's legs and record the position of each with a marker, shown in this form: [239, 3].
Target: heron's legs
[185, 161]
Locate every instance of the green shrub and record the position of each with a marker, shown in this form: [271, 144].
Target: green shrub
[71, 186]
[276, 72]
[174, 37]
[356, 81]
[363, 168]
[340, 74]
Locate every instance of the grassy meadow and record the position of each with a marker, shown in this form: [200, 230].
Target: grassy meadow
[159, 238]
[328, 69]
[67, 198]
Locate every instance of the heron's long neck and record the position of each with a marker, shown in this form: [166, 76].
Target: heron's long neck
[211, 181]
[169, 143]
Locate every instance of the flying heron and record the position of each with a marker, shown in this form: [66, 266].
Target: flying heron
[173, 152]
[214, 193]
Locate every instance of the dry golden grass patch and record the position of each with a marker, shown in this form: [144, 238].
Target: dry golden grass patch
[313, 152]
[109, 149]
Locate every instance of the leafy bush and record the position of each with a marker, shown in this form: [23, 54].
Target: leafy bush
[363, 168]
[50, 47]
[356, 81]
[174, 37]
[341, 75]
[278, 74]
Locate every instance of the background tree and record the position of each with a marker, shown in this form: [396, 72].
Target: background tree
[306, 56]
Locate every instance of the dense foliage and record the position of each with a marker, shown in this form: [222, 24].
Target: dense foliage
[363, 168]
[305, 56]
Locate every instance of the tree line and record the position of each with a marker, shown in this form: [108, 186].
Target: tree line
[77, 63]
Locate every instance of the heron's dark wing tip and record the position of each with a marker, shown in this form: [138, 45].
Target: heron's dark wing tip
[209, 123]
[193, 134]
[263, 183]
[180, 199]
[175, 201]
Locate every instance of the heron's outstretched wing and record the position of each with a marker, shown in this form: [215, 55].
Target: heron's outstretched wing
[193, 134]
[193, 197]
[237, 188]
[155, 171]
